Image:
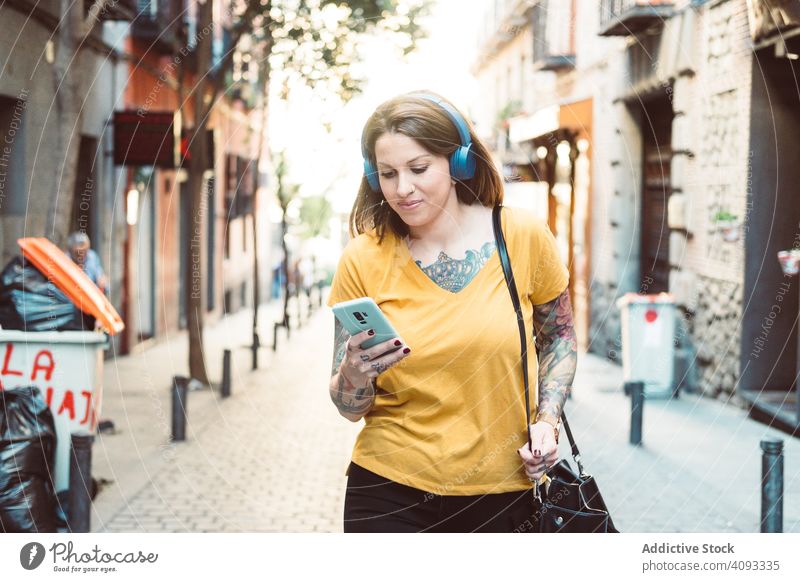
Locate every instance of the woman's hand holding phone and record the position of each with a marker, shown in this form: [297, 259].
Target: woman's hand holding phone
[361, 366]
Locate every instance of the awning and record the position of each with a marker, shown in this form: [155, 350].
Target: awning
[144, 138]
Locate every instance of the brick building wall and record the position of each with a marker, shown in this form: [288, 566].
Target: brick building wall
[718, 116]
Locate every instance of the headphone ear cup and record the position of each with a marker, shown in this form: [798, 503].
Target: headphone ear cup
[371, 174]
[462, 163]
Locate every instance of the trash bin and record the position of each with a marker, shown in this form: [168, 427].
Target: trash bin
[67, 367]
[648, 349]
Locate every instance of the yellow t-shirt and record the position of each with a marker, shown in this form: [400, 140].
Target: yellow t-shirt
[449, 418]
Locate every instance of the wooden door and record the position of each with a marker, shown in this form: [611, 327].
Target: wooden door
[656, 189]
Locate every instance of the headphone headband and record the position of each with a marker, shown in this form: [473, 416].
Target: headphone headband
[462, 161]
[455, 116]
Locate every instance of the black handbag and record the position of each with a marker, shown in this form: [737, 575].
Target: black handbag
[572, 502]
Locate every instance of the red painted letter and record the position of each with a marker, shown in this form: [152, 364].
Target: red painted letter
[88, 396]
[68, 404]
[6, 370]
[46, 368]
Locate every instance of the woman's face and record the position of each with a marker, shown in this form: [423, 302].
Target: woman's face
[415, 182]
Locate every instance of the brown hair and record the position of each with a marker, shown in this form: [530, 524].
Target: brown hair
[428, 124]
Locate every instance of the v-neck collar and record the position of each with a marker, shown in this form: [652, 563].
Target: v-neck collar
[416, 271]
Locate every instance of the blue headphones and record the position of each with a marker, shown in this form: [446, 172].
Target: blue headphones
[462, 162]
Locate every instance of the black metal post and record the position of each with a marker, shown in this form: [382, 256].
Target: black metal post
[226, 373]
[772, 486]
[179, 391]
[80, 482]
[636, 390]
[254, 348]
[275, 337]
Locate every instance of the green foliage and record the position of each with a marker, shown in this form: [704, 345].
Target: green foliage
[315, 213]
[285, 191]
[511, 109]
[315, 42]
[724, 216]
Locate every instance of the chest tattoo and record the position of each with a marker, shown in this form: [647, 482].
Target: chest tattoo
[455, 274]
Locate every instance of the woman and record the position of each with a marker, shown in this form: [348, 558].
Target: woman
[444, 445]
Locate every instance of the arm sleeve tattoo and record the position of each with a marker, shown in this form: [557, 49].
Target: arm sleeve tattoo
[558, 355]
[352, 401]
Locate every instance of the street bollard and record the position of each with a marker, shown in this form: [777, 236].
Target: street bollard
[80, 482]
[179, 391]
[636, 390]
[772, 486]
[226, 373]
[254, 348]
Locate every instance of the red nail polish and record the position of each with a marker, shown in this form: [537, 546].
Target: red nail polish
[398, 343]
[371, 332]
[406, 350]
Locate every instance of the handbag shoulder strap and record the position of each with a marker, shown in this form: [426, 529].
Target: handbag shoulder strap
[502, 252]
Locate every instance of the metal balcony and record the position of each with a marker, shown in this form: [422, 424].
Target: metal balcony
[627, 17]
[125, 10]
[158, 25]
[553, 40]
[773, 20]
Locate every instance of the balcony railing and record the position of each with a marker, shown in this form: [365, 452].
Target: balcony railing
[772, 18]
[117, 10]
[553, 37]
[158, 24]
[626, 17]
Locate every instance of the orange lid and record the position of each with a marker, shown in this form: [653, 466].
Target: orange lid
[70, 278]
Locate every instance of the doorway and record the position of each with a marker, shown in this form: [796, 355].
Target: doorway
[656, 127]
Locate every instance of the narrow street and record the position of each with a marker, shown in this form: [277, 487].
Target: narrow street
[272, 457]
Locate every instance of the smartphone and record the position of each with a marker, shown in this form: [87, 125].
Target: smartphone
[362, 314]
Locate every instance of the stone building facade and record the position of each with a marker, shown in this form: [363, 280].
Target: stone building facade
[678, 165]
[34, 122]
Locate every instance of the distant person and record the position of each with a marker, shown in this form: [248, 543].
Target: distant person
[79, 247]
[306, 269]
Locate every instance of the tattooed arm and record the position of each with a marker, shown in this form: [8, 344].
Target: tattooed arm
[558, 356]
[353, 401]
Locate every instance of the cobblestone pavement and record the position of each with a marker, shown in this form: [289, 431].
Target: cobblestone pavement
[272, 457]
[698, 468]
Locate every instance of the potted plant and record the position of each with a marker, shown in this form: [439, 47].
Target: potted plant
[727, 224]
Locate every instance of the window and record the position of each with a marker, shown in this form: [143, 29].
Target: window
[12, 157]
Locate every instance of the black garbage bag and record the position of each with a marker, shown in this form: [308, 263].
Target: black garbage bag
[27, 462]
[30, 302]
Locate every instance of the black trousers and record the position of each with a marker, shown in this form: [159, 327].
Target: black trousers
[375, 504]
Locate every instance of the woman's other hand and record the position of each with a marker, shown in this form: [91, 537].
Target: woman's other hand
[545, 450]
